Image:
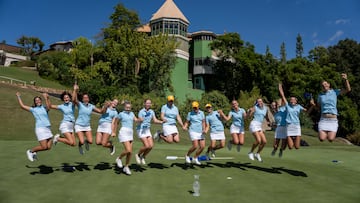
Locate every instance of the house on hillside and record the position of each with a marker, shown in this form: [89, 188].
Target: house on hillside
[10, 54]
[193, 67]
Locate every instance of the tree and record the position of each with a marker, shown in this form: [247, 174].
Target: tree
[299, 46]
[30, 44]
[283, 53]
[124, 17]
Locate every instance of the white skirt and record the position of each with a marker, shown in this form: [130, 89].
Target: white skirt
[293, 130]
[196, 136]
[43, 133]
[79, 128]
[255, 126]
[328, 124]
[104, 127]
[280, 132]
[217, 136]
[170, 129]
[66, 127]
[125, 134]
[237, 129]
[142, 133]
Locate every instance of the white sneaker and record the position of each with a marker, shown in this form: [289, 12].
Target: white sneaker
[213, 153]
[112, 150]
[238, 147]
[196, 161]
[258, 157]
[119, 162]
[156, 135]
[30, 155]
[35, 156]
[229, 145]
[138, 159]
[251, 156]
[187, 159]
[143, 162]
[55, 139]
[126, 170]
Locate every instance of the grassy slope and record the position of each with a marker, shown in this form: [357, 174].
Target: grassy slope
[28, 75]
[306, 175]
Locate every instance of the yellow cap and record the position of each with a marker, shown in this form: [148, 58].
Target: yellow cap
[170, 98]
[208, 105]
[195, 104]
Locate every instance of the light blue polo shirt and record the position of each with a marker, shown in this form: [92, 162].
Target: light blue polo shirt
[170, 114]
[68, 110]
[280, 116]
[147, 115]
[293, 113]
[126, 118]
[259, 113]
[41, 116]
[108, 115]
[84, 114]
[214, 120]
[328, 101]
[237, 116]
[195, 119]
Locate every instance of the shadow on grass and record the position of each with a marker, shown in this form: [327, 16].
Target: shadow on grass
[42, 169]
[186, 166]
[274, 170]
[80, 166]
[157, 165]
[291, 172]
[103, 166]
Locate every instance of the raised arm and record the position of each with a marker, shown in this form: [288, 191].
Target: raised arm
[75, 94]
[103, 109]
[27, 108]
[250, 112]
[281, 91]
[48, 102]
[221, 113]
[347, 84]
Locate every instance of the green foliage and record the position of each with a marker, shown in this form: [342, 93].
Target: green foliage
[55, 66]
[216, 99]
[30, 45]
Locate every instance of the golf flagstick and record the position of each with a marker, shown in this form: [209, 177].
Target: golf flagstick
[202, 158]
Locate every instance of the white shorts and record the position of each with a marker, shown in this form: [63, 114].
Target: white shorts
[142, 133]
[43, 133]
[280, 132]
[66, 127]
[217, 136]
[196, 136]
[104, 127]
[170, 129]
[79, 128]
[255, 126]
[125, 134]
[293, 130]
[237, 129]
[328, 124]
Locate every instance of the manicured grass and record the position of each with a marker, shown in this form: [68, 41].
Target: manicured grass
[28, 75]
[305, 175]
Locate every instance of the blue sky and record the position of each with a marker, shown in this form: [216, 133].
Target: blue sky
[260, 22]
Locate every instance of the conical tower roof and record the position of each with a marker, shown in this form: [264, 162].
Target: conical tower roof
[169, 10]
